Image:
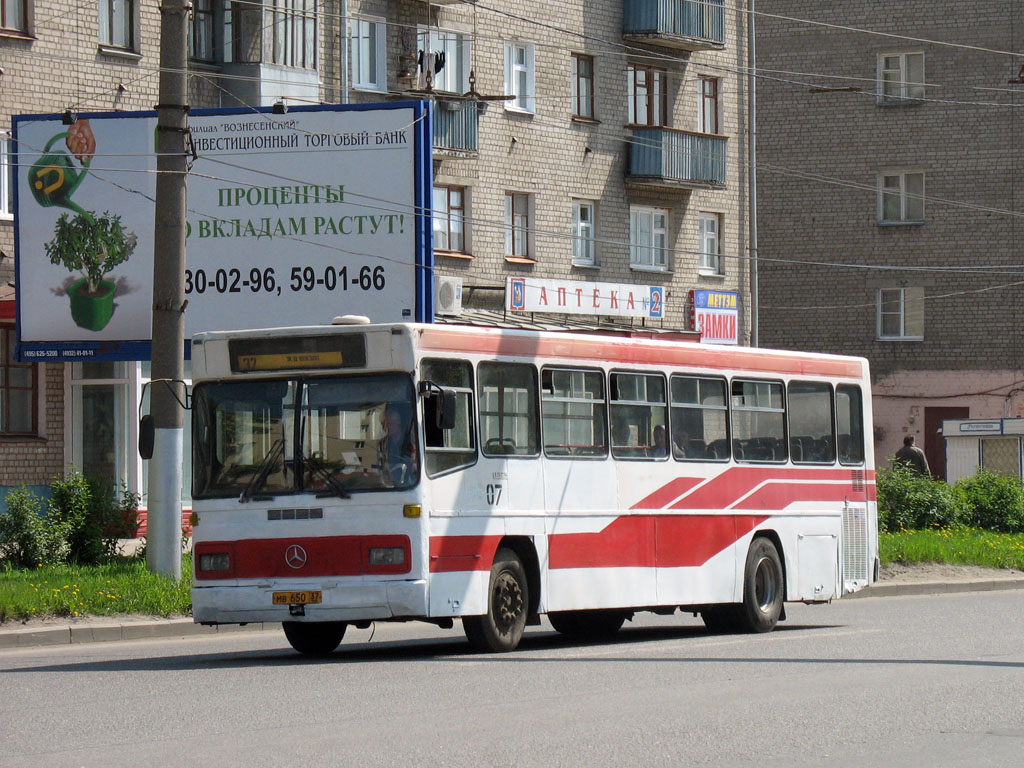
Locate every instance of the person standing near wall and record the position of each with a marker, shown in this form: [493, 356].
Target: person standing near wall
[913, 457]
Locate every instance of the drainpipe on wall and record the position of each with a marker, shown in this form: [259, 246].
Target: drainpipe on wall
[344, 51]
[752, 159]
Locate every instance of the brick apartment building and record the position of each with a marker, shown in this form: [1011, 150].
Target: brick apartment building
[889, 215]
[620, 156]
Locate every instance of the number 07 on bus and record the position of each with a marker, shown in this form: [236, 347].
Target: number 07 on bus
[354, 473]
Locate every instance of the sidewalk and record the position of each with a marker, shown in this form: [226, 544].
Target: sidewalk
[101, 630]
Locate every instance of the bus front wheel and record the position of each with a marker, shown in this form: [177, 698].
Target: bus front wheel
[314, 638]
[763, 589]
[508, 599]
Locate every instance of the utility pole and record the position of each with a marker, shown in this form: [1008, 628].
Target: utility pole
[163, 539]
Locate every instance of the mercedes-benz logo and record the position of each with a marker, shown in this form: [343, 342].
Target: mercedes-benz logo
[295, 556]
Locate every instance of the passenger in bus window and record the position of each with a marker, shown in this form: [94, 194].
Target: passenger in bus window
[660, 444]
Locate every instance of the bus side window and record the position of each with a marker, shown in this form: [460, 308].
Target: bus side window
[449, 449]
[850, 413]
[699, 419]
[508, 409]
[573, 414]
[758, 421]
[638, 416]
[810, 413]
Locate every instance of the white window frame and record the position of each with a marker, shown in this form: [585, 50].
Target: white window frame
[14, 16]
[369, 63]
[709, 228]
[911, 204]
[520, 78]
[6, 180]
[457, 50]
[903, 84]
[118, 27]
[518, 233]
[907, 305]
[584, 233]
[447, 215]
[648, 245]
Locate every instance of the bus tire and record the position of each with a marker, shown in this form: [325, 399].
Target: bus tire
[508, 600]
[763, 589]
[595, 624]
[317, 638]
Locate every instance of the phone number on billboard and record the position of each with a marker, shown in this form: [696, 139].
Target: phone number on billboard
[328, 278]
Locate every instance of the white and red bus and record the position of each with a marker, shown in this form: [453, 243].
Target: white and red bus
[355, 473]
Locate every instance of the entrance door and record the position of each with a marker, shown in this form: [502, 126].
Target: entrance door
[934, 443]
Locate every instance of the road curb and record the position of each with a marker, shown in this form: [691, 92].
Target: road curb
[105, 632]
[936, 588]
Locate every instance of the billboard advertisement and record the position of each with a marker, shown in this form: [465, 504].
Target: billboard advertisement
[577, 297]
[716, 315]
[292, 219]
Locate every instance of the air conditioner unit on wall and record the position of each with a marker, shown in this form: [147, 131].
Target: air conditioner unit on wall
[447, 295]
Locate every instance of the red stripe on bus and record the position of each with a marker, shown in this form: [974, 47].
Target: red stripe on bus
[728, 488]
[493, 341]
[320, 556]
[645, 541]
[462, 553]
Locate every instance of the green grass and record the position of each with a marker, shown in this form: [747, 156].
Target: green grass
[119, 587]
[959, 546]
[125, 586]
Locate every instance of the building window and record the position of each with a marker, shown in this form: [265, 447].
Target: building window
[13, 16]
[648, 95]
[517, 225]
[200, 37]
[294, 33]
[707, 121]
[901, 313]
[446, 57]
[583, 244]
[519, 77]
[710, 226]
[18, 390]
[900, 77]
[369, 51]
[6, 180]
[901, 197]
[583, 86]
[101, 414]
[449, 219]
[117, 22]
[648, 238]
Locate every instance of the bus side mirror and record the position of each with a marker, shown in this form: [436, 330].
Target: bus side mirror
[446, 413]
[147, 434]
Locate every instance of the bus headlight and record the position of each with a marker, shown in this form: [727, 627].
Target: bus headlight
[387, 556]
[214, 561]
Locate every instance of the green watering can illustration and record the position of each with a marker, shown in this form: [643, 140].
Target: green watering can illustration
[54, 177]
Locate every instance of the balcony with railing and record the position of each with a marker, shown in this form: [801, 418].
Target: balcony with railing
[689, 25]
[455, 125]
[667, 158]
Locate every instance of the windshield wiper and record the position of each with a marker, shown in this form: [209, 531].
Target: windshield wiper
[318, 469]
[259, 479]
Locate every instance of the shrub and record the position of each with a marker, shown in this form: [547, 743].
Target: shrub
[907, 500]
[27, 538]
[991, 501]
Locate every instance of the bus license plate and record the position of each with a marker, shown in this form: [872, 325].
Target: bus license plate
[297, 598]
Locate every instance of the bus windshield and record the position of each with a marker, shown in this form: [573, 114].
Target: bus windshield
[330, 436]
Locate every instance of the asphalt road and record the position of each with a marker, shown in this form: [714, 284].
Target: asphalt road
[905, 681]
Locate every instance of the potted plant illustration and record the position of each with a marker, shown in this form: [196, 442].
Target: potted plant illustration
[92, 245]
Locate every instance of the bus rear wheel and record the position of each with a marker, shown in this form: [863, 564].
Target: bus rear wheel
[508, 600]
[317, 638]
[595, 624]
[763, 589]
